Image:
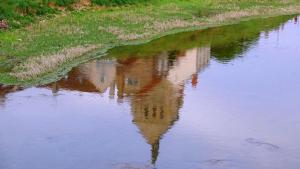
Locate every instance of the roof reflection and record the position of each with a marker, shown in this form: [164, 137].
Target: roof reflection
[153, 85]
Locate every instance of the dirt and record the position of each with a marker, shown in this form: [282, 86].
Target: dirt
[81, 4]
[78, 5]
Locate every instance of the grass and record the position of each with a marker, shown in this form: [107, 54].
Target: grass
[18, 13]
[23, 12]
[21, 50]
[38, 65]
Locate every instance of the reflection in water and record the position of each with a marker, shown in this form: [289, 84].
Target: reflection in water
[5, 90]
[154, 85]
[268, 146]
[152, 77]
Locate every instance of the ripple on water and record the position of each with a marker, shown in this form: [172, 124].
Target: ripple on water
[265, 145]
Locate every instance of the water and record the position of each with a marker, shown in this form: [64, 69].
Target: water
[225, 97]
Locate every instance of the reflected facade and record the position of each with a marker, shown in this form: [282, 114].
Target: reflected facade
[153, 86]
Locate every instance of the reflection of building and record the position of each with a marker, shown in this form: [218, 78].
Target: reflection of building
[193, 61]
[135, 75]
[101, 73]
[154, 86]
[156, 111]
[96, 76]
[158, 92]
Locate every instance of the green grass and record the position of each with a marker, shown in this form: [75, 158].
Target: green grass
[115, 26]
[19, 13]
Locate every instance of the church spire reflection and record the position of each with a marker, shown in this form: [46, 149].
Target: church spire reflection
[154, 87]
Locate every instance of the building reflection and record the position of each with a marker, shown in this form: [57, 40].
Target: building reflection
[154, 86]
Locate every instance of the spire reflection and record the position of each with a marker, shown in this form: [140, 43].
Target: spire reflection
[154, 87]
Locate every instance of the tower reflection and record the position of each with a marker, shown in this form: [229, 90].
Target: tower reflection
[154, 87]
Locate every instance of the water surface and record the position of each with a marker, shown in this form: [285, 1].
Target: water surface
[225, 97]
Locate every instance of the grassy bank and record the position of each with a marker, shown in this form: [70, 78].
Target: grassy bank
[19, 13]
[35, 52]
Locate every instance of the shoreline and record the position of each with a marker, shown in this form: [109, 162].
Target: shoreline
[58, 71]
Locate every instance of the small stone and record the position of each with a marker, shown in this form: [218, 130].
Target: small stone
[3, 24]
